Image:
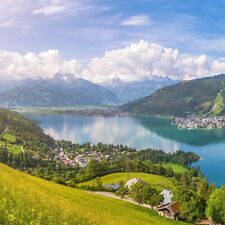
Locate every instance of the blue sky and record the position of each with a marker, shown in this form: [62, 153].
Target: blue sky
[84, 29]
[88, 28]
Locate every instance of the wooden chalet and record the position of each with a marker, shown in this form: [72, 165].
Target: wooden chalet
[169, 210]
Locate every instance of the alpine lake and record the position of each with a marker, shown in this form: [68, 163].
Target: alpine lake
[141, 133]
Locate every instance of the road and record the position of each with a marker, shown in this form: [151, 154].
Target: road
[6, 129]
[111, 195]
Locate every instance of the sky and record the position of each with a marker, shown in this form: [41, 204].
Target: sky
[104, 39]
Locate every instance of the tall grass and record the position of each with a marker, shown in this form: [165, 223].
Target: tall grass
[29, 200]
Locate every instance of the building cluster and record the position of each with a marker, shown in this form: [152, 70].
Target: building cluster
[196, 122]
[82, 158]
[106, 112]
[62, 157]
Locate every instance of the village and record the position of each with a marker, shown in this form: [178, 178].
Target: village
[104, 112]
[82, 158]
[193, 122]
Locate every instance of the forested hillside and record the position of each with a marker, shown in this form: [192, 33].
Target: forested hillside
[201, 97]
[24, 131]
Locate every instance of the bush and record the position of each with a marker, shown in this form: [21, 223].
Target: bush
[59, 180]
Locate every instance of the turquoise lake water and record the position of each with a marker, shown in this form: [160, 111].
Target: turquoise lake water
[143, 132]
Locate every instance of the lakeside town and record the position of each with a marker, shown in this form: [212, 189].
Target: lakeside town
[105, 112]
[197, 122]
[81, 159]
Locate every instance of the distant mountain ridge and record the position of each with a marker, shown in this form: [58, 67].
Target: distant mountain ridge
[61, 90]
[8, 84]
[205, 96]
[130, 91]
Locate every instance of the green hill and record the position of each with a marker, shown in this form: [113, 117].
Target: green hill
[156, 181]
[16, 132]
[25, 199]
[201, 96]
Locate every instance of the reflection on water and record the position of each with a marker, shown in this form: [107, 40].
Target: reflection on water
[127, 131]
[142, 132]
[197, 137]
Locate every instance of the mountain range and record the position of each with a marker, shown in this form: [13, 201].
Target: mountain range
[61, 90]
[8, 84]
[200, 96]
[69, 90]
[129, 91]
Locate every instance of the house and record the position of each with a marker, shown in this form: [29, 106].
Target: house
[170, 210]
[132, 181]
[82, 162]
[112, 186]
[167, 196]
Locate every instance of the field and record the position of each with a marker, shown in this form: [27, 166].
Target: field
[175, 167]
[53, 110]
[10, 139]
[156, 181]
[25, 199]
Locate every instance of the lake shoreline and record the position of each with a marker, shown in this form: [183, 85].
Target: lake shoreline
[141, 133]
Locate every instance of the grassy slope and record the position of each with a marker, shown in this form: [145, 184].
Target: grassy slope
[14, 148]
[29, 200]
[175, 167]
[154, 180]
[218, 105]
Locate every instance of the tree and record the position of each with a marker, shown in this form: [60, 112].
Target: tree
[92, 169]
[143, 193]
[136, 192]
[216, 207]
[203, 190]
[191, 205]
[98, 184]
[151, 196]
[59, 180]
[185, 179]
[122, 190]
[212, 188]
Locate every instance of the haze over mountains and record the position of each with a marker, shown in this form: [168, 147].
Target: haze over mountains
[69, 90]
[165, 96]
[201, 97]
[61, 90]
[8, 84]
[129, 91]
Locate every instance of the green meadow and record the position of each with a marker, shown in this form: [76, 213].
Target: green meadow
[156, 181]
[25, 199]
[175, 167]
[10, 139]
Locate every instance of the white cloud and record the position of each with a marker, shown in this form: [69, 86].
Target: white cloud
[144, 60]
[22, 12]
[50, 10]
[6, 23]
[135, 62]
[44, 64]
[139, 20]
